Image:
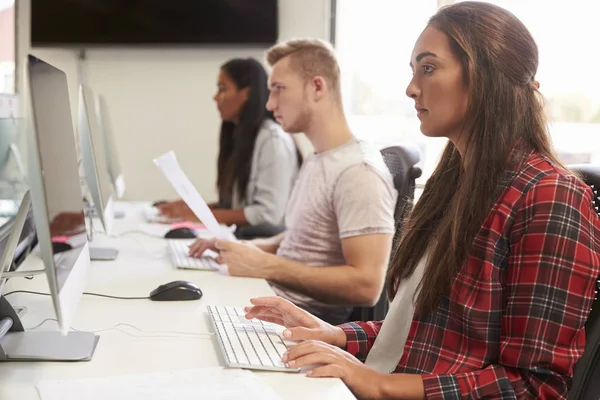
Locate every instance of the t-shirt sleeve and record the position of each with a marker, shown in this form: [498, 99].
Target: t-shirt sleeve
[364, 201]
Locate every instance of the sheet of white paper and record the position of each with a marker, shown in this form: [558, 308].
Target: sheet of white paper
[201, 383]
[183, 186]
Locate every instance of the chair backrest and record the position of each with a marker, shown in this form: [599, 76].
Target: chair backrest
[586, 379]
[401, 161]
[591, 175]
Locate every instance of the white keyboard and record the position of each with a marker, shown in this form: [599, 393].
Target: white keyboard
[179, 249]
[152, 215]
[249, 344]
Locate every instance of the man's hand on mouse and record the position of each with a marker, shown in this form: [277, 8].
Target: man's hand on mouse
[243, 258]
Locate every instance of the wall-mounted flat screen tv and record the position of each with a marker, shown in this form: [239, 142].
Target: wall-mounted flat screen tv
[153, 22]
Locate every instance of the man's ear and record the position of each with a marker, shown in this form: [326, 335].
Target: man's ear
[319, 86]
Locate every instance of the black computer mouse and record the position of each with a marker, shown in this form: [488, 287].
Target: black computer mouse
[59, 247]
[176, 291]
[159, 202]
[181, 233]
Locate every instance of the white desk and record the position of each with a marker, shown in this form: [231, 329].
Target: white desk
[138, 270]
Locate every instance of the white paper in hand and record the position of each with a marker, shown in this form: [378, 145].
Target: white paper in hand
[170, 167]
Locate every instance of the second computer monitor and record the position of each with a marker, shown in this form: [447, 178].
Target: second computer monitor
[110, 147]
[94, 159]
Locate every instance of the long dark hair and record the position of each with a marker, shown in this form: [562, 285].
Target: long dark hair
[506, 112]
[236, 142]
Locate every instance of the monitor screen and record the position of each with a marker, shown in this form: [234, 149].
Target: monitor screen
[55, 189]
[123, 22]
[13, 185]
[110, 147]
[94, 158]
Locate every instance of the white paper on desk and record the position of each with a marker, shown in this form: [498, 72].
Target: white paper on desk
[183, 186]
[201, 383]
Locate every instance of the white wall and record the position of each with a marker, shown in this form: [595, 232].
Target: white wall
[161, 99]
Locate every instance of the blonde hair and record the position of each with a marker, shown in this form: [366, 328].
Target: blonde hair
[311, 57]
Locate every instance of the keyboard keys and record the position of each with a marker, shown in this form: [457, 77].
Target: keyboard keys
[179, 250]
[248, 344]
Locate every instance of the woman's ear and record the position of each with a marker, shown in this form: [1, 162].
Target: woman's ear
[245, 93]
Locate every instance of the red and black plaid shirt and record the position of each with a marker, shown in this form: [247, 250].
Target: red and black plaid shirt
[512, 326]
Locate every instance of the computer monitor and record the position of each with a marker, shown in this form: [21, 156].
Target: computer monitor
[95, 171]
[94, 158]
[110, 147]
[59, 216]
[59, 220]
[55, 190]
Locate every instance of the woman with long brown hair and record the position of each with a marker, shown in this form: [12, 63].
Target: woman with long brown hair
[494, 276]
[258, 162]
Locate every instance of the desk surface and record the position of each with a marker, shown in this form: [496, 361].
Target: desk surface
[142, 265]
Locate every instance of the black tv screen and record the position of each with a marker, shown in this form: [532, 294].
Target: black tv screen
[168, 22]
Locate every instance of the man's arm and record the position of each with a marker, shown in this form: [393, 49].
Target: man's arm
[359, 282]
[269, 245]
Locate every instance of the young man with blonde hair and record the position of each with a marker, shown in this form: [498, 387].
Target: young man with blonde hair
[339, 219]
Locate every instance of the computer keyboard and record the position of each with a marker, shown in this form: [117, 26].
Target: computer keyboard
[179, 250]
[152, 215]
[249, 344]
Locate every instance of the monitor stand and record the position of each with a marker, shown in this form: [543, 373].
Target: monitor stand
[18, 345]
[119, 214]
[98, 253]
[103, 253]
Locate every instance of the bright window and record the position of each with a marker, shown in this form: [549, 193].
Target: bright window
[374, 40]
[564, 32]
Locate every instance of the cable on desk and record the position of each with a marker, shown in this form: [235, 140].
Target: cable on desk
[161, 334]
[150, 252]
[85, 293]
[133, 232]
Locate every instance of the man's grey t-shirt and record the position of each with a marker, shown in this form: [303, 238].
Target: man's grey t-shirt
[341, 193]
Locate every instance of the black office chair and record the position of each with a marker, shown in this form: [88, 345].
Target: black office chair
[586, 379]
[401, 162]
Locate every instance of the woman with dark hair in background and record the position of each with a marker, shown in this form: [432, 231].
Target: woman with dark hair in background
[494, 275]
[258, 162]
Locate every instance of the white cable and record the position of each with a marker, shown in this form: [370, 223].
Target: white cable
[158, 334]
[133, 232]
[41, 323]
[150, 252]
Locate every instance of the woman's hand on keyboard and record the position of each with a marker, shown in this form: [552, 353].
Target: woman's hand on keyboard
[176, 210]
[301, 324]
[201, 245]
